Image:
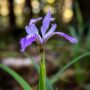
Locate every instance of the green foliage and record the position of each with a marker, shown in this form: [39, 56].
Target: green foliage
[79, 18]
[17, 77]
[80, 47]
[87, 87]
[42, 73]
[60, 72]
[49, 85]
[87, 44]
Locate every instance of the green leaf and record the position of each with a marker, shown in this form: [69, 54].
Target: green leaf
[42, 74]
[17, 77]
[73, 32]
[79, 18]
[87, 87]
[78, 14]
[49, 85]
[80, 77]
[88, 39]
[57, 76]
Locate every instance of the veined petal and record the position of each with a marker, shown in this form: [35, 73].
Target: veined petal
[32, 21]
[53, 28]
[26, 41]
[31, 29]
[69, 38]
[46, 22]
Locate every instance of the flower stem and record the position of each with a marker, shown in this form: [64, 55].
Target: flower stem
[42, 76]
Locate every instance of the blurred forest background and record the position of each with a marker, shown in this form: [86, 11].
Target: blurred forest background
[72, 17]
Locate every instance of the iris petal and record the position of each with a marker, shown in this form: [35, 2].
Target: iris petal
[32, 29]
[69, 38]
[46, 22]
[33, 34]
[26, 41]
[53, 28]
[32, 21]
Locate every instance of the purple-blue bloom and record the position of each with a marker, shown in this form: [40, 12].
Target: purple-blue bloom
[33, 34]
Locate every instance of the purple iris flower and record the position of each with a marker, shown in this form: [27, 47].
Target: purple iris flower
[33, 34]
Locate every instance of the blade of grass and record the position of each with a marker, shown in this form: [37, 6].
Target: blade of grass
[17, 77]
[73, 32]
[79, 18]
[88, 39]
[78, 14]
[57, 76]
